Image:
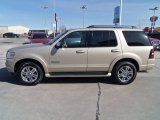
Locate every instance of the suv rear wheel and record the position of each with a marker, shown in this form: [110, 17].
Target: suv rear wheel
[124, 73]
[30, 73]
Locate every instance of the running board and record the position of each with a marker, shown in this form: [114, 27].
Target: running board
[105, 75]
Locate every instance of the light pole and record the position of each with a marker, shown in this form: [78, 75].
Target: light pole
[54, 6]
[84, 7]
[55, 17]
[120, 19]
[45, 7]
[154, 18]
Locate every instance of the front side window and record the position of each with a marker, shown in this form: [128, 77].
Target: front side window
[75, 40]
[136, 38]
[102, 39]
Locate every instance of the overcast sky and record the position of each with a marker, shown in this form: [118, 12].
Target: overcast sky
[29, 13]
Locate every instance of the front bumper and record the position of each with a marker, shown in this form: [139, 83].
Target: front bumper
[9, 65]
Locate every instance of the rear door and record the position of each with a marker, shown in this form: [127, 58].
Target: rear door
[104, 47]
[138, 45]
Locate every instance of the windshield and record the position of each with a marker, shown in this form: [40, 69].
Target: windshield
[57, 37]
[39, 36]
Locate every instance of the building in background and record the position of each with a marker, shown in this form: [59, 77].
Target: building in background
[3, 29]
[18, 29]
[21, 30]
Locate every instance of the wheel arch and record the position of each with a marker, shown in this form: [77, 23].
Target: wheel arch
[18, 63]
[131, 60]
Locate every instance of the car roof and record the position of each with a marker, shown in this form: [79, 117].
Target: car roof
[108, 27]
[39, 33]
[88, 29]
[112, 26]
[9, 32]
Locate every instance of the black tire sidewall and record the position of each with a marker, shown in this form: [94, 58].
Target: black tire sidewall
[116, 69]
[40, 73]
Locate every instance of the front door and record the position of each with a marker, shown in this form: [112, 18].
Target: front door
[71, 56]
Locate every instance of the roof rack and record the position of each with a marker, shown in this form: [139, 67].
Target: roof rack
[112, 26]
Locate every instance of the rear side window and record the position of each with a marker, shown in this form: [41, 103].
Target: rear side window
[136, 38]
[102, 39]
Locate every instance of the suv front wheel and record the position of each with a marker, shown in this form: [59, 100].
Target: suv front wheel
[30, 73]
[124, 73]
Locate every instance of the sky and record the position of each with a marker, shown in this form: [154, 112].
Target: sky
[30, 13]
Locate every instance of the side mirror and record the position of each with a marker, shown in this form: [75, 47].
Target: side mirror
[59, 45]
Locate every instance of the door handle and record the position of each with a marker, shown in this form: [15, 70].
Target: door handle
[80, 51]
[115, 50]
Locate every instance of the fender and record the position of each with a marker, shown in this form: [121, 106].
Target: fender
[123, 57]
[36, 57]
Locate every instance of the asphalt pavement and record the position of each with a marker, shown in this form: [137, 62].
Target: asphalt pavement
[78, 98]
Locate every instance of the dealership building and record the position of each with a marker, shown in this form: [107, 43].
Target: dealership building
[15, 29]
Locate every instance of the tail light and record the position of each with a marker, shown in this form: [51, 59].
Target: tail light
[151, 55]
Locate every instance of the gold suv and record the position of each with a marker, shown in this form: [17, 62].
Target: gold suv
[95, 51]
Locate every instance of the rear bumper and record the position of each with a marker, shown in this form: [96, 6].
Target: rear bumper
[149, 66]
[151, 63]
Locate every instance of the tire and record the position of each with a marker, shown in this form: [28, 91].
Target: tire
[5, 36]
[30, 73]
[124, 73]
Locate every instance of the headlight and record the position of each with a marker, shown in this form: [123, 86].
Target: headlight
[10, 55]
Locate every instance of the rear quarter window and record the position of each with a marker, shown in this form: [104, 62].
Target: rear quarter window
[136, 38]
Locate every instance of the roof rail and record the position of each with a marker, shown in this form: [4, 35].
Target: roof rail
[112, 26]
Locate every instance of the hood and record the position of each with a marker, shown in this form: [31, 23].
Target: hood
[28, 46]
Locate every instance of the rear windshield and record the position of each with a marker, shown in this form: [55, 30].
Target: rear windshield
[136, 38]
[39, 36]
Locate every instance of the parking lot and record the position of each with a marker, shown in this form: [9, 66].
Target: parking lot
[78, 98]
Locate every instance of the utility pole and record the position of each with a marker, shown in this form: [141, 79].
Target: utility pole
[153, 17]
[84, 7]
[45, 7]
